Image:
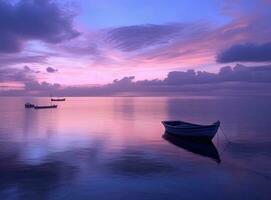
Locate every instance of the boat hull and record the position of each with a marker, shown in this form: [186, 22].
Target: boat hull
[58, 99]
[45, 107]
[29, 106]
[187, 130]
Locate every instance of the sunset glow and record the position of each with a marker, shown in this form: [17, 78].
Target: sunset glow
[95, 42]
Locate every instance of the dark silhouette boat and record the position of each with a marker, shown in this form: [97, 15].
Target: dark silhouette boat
[29, 105]
[185, 129]
[58, 99]
[204, 148]
[45, 107]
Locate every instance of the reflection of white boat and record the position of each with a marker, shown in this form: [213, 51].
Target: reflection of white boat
[185, 129]
[204, 148]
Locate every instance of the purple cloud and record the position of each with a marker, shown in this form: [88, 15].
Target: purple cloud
[191, 43]
[11, 59]
[130, 38]
[33, 20]
[239, 73]
[240, 77]
[41, 87]
[51, 70]
[18, 75]
[246, 53]
[29, 70]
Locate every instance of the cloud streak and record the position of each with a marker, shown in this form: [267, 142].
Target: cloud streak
[131, 38]
[11, 59]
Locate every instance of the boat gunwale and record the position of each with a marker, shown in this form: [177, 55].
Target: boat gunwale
[192, 126]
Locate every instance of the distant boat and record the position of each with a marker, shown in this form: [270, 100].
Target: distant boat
[203, 148]
[45, 107]
[29, 105]
[58, 99]
[185, 129]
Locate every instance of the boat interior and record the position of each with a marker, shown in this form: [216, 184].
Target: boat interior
[180, 123]
[186, 124]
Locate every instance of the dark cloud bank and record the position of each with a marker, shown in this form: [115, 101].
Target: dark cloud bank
[239, 79]
[246, 53]
[27, 20]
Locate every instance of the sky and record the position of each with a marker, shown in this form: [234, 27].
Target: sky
[89, 47]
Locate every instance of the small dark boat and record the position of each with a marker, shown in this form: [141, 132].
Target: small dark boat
[58, 99]
[29, 105]
[45, 107]
[204, 148]
[185, 129]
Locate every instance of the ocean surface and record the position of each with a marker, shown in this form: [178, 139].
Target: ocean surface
[115, 148]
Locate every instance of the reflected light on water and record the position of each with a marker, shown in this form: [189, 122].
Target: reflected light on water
[112, 148]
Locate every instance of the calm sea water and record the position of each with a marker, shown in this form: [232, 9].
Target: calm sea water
[114, 148]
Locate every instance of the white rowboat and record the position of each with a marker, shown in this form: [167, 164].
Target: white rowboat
[185, 129]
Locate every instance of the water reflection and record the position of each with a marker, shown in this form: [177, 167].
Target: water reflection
[111, 148]
[137, 163]
[202, 148]
[30, 181]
